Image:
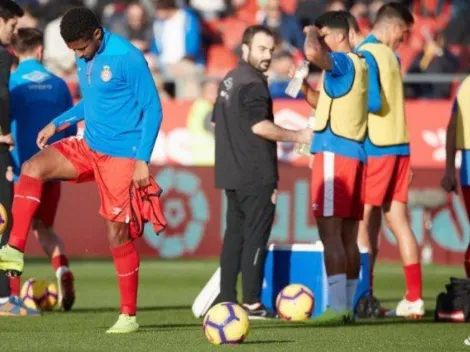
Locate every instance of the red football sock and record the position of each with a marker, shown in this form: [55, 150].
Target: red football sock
[414, 282]
[59, 260]
[126, 262]
[15, 284]
[467, 261]
[26, 201]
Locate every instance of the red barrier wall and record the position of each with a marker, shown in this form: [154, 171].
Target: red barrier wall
[195, 210]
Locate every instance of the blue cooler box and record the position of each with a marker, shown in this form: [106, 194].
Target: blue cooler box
[303, 264]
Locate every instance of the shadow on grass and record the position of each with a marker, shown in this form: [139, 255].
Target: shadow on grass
[170, 326]
[267, 342]
[142, 309]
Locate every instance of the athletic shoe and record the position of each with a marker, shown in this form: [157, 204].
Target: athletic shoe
[467, 341]
[124, 325]
[11, 261]
[259, 313]
[66, 290]
[412, 310]
[16, 308]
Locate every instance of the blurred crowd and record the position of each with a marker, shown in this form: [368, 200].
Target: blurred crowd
[190, 44]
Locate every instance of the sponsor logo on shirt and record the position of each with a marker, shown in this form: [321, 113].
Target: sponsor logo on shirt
[106, 74]
[36, 76]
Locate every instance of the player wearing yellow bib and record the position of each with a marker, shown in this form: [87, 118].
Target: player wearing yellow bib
[337, 182]
[458, 138]
[388, 154]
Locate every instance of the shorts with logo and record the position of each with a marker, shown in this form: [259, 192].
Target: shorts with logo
[337, 186]
[113, 176]
[388, 178]
[49, 203]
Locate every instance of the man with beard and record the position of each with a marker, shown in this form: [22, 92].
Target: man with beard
[246, 168]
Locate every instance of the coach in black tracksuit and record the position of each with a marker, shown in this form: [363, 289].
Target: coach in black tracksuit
[246, 167]
[9, 12]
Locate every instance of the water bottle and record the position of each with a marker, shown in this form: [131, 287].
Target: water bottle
[295, 83]
[304, 149]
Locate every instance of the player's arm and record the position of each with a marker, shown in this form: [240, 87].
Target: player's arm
[68, 104]
[140, 79]
[449, 182]
[375, 98]
[314, 51]
[311, 95]
[61, 122]
[255, 99]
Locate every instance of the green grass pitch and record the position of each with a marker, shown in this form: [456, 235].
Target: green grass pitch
[167, 290]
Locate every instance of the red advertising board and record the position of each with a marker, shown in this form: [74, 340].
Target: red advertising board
[195, 209]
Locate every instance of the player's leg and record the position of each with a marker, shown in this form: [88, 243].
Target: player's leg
[10, 303]
[396, 217]
[466, 199]
[353, 259]
[63, 160]
[325, 184]
[52, 244]
[126, 263]
[230, 256]
[258, 206]
[369, 236]
[116, 209]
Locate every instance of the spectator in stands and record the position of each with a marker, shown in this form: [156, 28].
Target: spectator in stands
[280, 22]
[134, 25]
[30, 18]
[435, 58]
[279, 74]
[211, 9]
[200, 127]
[308, 10]
[177, 42]
[336, 5]
[57, 56]
[360, 11]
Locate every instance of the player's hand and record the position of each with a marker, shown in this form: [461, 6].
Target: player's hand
[8, 140]
[305, 136]
[292, 70]
[449, 181]
[410, 177]
[141, 174]
[312, 29]
[45, 134]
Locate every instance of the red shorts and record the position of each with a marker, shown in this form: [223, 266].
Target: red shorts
[112, 175]
[49, 203]
[388, 178]
[337, 186]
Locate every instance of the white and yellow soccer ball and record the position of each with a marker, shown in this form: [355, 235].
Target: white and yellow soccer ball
[295, 303]
[226, 323]
[39, 294]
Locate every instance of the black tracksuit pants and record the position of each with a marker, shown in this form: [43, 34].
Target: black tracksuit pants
[250, 216]
[6, 200]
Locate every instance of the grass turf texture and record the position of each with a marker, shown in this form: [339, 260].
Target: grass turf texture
[167, 291]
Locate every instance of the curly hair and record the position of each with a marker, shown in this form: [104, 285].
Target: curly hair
[78, 23]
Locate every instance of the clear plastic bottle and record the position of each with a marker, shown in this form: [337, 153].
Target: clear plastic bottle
[295, 83]
[304, 149]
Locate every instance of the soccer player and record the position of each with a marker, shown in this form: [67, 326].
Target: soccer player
[459, 139]
[36, 98]
[9, 14]
[339, 165]
[122, 113]
[388, 155]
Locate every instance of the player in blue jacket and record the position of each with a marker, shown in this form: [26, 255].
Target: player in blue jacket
[122, 113]
[36, 98]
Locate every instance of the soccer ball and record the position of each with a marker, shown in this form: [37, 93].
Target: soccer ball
[295, 303]
[39, 294]
[226, 323]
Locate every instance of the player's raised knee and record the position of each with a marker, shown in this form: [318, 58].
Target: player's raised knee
[32, 168]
